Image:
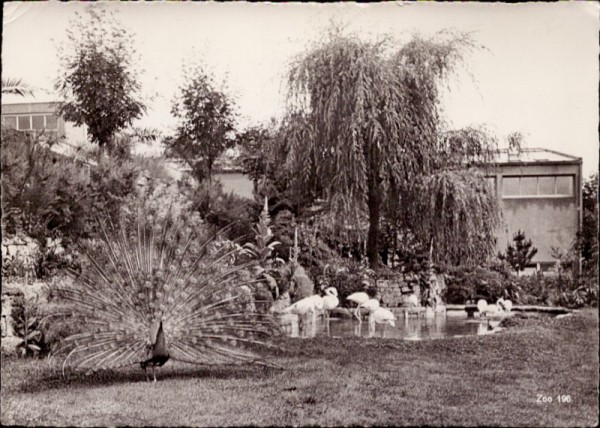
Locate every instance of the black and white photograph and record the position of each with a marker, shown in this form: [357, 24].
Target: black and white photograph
[225, 214]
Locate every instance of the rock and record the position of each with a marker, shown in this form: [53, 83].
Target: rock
[9, 345]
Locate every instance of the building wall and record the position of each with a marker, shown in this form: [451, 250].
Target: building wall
[549, 218]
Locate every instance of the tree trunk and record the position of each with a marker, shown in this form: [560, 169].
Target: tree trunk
[374, 203]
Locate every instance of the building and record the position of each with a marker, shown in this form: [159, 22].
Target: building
[38, 115]
[539, 192]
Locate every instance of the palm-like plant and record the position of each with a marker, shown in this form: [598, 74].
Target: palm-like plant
[262, 249]
[16, 86]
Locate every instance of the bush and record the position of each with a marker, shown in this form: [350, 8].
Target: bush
[579, 292]
[49, 196]
[51, 259]
[347, 278]
[497, 281]
[26, 319]
[303, 285]
[464, 284]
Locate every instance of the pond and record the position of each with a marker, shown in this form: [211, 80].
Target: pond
[450, 324]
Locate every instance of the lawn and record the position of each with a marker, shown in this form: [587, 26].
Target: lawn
[486, 380]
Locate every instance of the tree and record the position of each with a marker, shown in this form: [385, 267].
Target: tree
[452, 210]
[366, 126]
[98, 82]
[264, 152]
[587, 238]
[206, 123]
[520, 254]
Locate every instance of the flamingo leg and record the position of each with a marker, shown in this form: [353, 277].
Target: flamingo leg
[146, 371]
[357, 314]
[372, 326]
[327, 320]
[357, 329]
[154, 373]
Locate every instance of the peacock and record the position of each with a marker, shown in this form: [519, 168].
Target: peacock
[153, 291]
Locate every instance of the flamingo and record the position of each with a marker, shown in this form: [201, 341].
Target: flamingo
[488, 310]
[413, 301]
[330, 301]
[370, 305]
[505, 305]
[481, 306]
[381, 316]
[359, 298]
[308, 305]
[412, 304]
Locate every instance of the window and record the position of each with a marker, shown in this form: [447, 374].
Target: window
[510, 186]
[24, 122]
[38, 122]
[9, 122]
[51, 121]
[538, 186]
[528, 186]
[546, 185]
[564, 185]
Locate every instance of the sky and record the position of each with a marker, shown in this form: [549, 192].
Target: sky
[537, 74]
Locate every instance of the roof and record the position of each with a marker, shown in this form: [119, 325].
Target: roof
[534, 155]
[38, 97]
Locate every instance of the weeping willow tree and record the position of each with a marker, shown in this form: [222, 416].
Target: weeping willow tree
[366, 133]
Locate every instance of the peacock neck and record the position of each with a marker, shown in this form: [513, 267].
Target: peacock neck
[160, 346]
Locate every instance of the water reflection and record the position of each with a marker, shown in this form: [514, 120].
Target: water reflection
[411, 328]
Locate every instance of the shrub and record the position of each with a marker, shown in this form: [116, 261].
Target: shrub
[578, 292]
[26, 318]
[520, 254]
[348, 277]
[463, 283]
[47, 195]
[535, 289]
[303, 285]
[50, 260]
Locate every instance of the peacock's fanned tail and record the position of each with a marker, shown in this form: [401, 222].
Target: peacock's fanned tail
[152, 271]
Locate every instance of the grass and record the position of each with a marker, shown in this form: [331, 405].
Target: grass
[471, 381]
